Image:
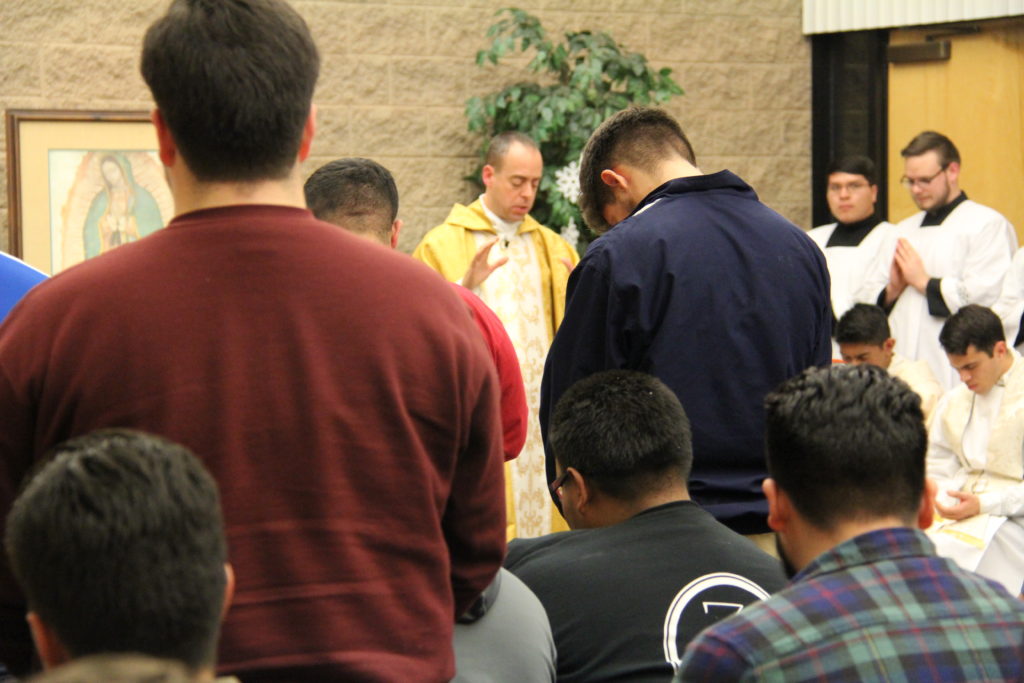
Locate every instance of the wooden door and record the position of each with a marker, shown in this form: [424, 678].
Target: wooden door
[976, 98]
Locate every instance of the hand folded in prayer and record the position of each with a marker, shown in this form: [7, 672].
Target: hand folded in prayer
[969, 505]
[897, 283]
[910, 266]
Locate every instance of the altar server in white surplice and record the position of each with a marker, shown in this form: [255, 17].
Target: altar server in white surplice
[853, 240]
[975, 451]
[952, 253]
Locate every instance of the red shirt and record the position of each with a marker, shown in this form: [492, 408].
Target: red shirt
[337, 392]
[514, 412]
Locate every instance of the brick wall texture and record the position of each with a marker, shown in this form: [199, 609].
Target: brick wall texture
[395, 77]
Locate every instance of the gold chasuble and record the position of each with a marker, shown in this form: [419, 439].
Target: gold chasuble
[528, 295]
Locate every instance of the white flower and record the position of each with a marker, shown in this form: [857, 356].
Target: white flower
[567, 181]
[571, 233]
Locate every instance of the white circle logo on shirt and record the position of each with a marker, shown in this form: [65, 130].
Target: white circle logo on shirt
[702, 602]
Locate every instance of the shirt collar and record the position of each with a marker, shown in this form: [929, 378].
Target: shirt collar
[722, 180]
[852, 234]
[869, 222]
[874, 546]
[937, 216]
[502, 227]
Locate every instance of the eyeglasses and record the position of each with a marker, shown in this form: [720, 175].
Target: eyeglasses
[849, 187]
[923, 182]
[558, 483]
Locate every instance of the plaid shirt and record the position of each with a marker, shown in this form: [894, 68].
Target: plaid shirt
[879, 607]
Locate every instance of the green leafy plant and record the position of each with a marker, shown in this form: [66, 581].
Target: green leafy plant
[585, 78]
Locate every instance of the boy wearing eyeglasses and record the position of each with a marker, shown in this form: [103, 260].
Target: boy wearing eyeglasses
[852, 241]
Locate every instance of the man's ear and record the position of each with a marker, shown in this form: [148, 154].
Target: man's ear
[889, 344]
[926, 513]
[953, 169]
[613, 179]
[584, 492]
[780, 509]
[51, 651]
[307, 134]
[999, 349]
[396, 227]
[229, 589]
[167, 149]
[487, 175]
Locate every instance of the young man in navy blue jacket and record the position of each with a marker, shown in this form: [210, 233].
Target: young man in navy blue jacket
[698, 283]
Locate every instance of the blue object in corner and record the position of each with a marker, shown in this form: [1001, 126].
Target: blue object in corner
[16, 278]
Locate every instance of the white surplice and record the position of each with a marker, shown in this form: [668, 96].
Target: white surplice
[918, 375]
[970, 252]
[848, 266]
[1010, 306]
[976, 444]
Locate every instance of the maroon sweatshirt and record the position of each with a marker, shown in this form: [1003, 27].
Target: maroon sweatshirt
[339, 394]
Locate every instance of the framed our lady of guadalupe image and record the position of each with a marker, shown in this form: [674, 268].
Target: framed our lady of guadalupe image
[81, 183]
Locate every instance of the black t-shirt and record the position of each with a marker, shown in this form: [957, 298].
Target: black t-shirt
[625, 600]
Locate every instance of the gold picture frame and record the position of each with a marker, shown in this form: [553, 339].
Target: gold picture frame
[81, 183]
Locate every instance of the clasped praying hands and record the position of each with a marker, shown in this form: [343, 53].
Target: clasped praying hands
[907, 269]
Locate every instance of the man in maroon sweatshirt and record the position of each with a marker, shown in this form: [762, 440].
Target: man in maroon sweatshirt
[338, 392]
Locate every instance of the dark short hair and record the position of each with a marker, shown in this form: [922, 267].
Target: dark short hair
[623, 430]
[847, 442]
[233, 80]
[972, 325]
[863, 324]
[499, 145]
[929, 141]
[358, 194]
[639, 136]
[118, 544]
[856, 165]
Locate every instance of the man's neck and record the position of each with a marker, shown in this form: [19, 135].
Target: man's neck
[611, 511]
[502, 226]
[205, 674]
[812, 541]
[934, 217]
[1007, 363]
[191, 195]
[644, 182]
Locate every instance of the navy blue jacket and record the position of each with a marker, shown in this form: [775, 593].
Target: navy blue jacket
[721, 298]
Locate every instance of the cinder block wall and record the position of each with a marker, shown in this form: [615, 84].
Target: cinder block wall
[396, 75]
